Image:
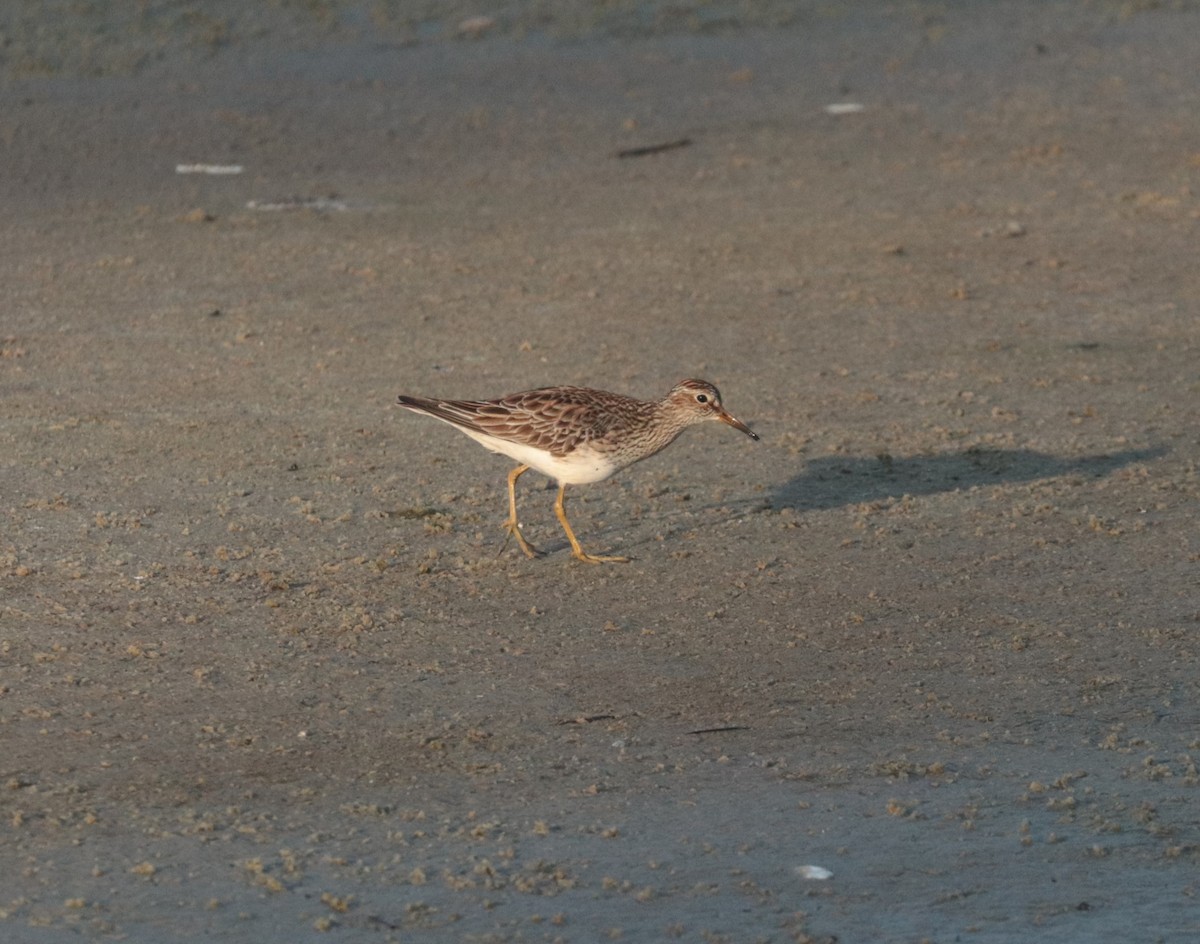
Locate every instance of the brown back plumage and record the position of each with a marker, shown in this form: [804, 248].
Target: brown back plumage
[557, 419]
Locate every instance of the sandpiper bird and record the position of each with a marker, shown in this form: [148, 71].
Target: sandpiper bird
[575, 435]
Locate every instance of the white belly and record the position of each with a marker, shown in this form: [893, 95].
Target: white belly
[581, 467]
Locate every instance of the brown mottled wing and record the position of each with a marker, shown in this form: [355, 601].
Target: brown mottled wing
[558, 419]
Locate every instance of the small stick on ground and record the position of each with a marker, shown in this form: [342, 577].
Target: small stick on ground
[654, 148]
[587, 719]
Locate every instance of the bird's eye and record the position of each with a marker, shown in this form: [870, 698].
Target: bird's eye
[702, 398]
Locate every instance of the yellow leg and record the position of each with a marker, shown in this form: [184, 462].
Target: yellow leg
[511, 525]
[578, 551]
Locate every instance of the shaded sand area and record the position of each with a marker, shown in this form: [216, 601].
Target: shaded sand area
[265, 673]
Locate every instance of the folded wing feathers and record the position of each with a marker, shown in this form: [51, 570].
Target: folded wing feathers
[556, 418]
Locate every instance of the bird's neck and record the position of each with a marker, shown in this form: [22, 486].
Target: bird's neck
[669, 423]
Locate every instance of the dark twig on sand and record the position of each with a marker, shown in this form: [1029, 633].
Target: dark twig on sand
[654, 148]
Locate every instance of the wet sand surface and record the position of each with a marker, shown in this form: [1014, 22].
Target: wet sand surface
[266, 673]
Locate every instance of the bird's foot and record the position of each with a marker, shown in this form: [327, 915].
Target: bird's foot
[514, 531]
[587, 558]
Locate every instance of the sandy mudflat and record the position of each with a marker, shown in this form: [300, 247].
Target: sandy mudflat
[265, 673]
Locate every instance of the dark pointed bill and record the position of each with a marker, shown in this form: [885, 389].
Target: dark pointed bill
[737, 424]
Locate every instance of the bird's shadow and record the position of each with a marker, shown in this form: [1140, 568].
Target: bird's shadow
[838, 481]
[834, 481]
